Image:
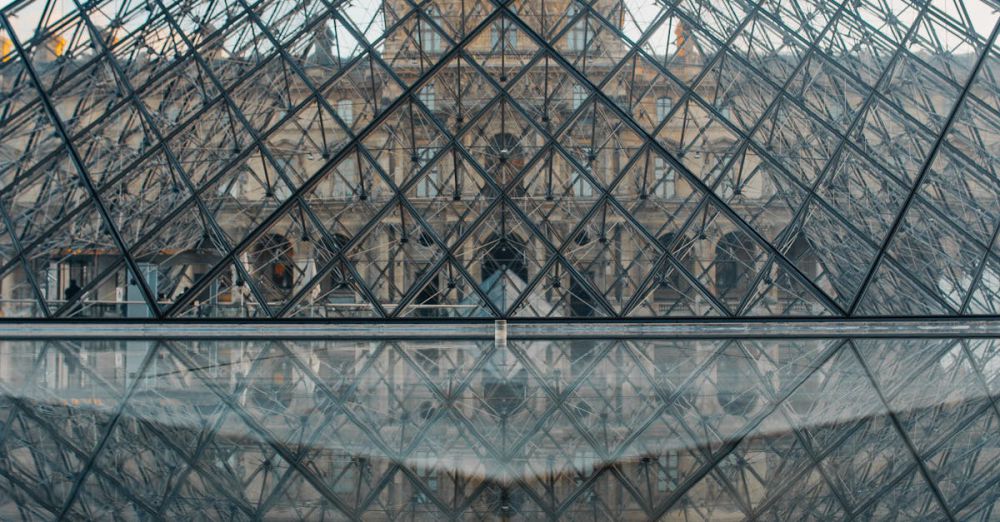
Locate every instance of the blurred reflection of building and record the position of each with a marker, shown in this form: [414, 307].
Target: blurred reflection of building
[589, 429]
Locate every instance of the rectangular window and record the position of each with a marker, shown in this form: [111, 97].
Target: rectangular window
[428, 97]
[579, 33]
[345, 109]
[664, 179]
[663, 106]
[511, 42]
[582, 188]
[430, 40]
[427, 186]
[579, 95]
[340, 187]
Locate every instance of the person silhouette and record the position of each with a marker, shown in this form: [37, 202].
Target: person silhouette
[72, 290]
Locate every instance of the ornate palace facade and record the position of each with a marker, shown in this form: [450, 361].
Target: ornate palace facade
[459, 158]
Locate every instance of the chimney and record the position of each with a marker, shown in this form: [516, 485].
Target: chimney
[50, 49]
[687, 46]
[6, 48]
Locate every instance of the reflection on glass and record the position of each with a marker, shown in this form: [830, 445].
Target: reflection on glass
[820, 429]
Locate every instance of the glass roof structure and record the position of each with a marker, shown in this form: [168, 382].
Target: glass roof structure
[499, 159]
[790, 429]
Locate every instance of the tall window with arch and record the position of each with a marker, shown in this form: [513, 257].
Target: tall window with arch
[581, 187]
[340, 184]
[273, 255]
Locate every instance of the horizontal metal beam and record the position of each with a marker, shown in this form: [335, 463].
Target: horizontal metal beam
[521, 329]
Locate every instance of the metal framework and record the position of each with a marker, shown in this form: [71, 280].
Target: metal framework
[676, 429]
[499, 159]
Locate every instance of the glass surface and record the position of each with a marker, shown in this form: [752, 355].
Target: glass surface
[499, 158]
[766, 429]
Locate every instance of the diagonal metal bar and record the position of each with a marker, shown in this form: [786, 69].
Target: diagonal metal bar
[679, 166]
[297, 194]
[931, 156]
[57, 123]
[901, 432]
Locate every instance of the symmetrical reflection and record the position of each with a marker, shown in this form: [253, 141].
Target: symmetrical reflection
[820, 429]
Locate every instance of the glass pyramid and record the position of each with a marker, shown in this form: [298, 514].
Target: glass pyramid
[499, 159]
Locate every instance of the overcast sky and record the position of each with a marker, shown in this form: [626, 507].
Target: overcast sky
[982, 13]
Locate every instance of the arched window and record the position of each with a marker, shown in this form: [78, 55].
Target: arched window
[581, 186]
[342, 181]
[274, 387]
[734, 257]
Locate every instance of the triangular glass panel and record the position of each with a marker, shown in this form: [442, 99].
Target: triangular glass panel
[381, 252]
[600, 141]
[556, 194]
[588, 44]
[548, 92]
[502, 49]
[728, 259]
[502, 142]
[450, 195]
[893, 293]
[456, 94]
[415, 44]
[406, 140]
[448, 293]
[227, 294]
[656, 194]
[560, 293]
[503, 256]
[780, 294]
[613, 255]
